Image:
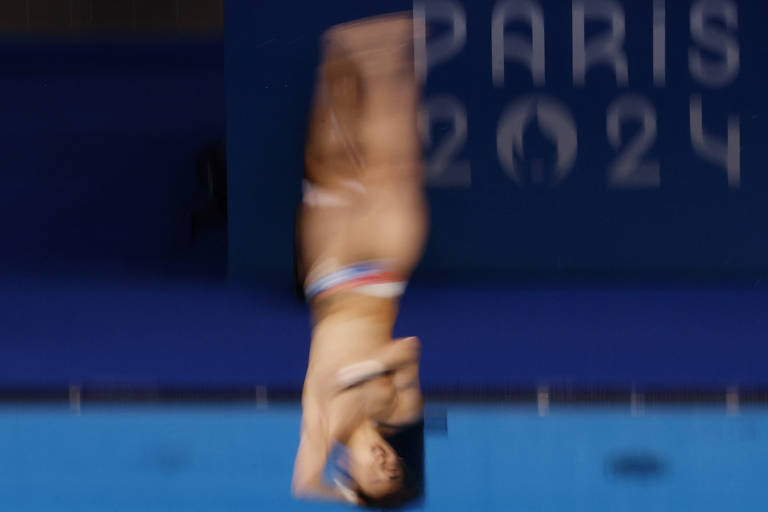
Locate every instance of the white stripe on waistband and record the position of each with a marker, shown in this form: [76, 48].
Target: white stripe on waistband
[384, 290]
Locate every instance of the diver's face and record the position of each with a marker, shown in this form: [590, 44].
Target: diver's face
[376, 468]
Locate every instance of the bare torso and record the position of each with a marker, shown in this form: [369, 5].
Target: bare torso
[349, 329]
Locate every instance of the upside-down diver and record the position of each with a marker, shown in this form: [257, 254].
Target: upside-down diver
[361, 231]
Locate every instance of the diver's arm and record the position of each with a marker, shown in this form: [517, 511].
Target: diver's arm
[317, 434]
[310, 461]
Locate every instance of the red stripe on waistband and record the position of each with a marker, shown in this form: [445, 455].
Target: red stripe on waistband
[383, 277]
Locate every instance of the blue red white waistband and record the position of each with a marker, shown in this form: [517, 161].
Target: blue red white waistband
[368, 278]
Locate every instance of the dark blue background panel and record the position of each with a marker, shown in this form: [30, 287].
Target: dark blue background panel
[99, 142]
[574, 136]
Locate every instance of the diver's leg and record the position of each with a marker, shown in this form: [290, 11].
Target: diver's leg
[389, 221]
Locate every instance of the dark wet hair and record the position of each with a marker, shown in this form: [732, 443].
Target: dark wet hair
[408, 443]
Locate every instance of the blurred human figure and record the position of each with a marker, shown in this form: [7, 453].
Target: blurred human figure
[362, 228]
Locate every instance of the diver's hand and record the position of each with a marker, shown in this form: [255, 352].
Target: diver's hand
[401, 352]
[393, 356]
[357, 373]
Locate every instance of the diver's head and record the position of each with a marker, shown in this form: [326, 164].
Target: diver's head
[387, 472]
[374, 466]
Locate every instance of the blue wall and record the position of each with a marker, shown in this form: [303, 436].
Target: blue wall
[177, 334]
[97, 161]
[99, 142]
[538, 182]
